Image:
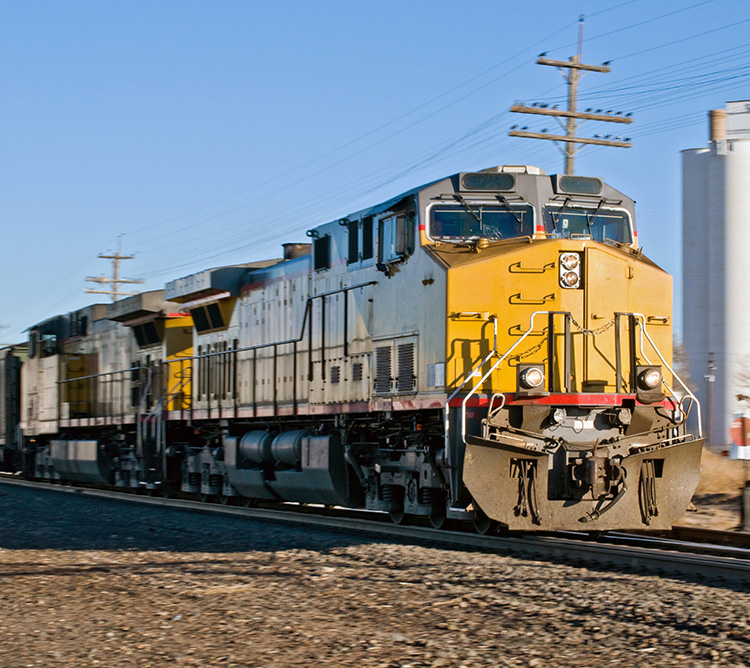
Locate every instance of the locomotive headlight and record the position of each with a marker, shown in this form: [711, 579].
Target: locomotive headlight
[570, 270]
[570, 261]
[570, 279]
[530, 380]
[650, 378]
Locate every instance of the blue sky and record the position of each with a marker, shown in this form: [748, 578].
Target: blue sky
[208, 133]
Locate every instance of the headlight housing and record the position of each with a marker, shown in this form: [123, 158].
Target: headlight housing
[530, 379]
[570, 270]
[648, 383]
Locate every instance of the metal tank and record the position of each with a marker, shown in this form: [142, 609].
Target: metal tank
[716, 249]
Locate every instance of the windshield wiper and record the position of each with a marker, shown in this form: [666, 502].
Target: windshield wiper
[593, 216]
[466, 206]
[555, 215]
[516, 214]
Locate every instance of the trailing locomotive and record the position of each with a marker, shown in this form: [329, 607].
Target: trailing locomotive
[492, 346]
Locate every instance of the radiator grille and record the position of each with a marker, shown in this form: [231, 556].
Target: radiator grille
[405, 381]
[383, 370]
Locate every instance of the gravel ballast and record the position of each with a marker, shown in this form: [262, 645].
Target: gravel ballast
[88, 582]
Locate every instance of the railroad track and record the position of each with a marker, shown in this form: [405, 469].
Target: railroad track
[641, 553]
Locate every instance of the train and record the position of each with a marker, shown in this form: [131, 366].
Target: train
[492, 347]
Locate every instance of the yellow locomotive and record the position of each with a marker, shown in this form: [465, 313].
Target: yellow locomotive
[492, 346]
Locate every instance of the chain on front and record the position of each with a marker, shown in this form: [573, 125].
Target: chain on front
[592, 332]
[584, 331]
[530, 351]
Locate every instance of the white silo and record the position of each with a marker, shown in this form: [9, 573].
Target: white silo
[716, 272]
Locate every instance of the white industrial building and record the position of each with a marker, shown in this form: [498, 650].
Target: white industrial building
[716, 276]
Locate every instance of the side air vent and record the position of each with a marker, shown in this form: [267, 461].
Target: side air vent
[357, 372]
[383, 370]
[335, 374]
[405, 380]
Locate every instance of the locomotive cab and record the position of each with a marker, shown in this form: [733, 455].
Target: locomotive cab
[561, 407]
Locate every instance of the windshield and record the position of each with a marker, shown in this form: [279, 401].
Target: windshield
[597, 224]
[480, 221]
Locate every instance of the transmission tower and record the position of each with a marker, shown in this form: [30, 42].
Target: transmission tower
[115, 281]
[571, 143]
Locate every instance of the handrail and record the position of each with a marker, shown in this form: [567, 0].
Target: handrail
[115, 373]
[492, 369]
[299, 339]
[306, 323]
[104, 373]
[178, 387]
[141, 407]
[641, 320]
[446, 418]
[671, 370]
[304, 327]
[688, 392]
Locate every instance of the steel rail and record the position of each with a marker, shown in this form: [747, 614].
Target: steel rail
[631, 553]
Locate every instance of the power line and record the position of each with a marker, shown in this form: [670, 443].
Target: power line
[434, 154]
[381, 127]
[637, 25]
[683, 39]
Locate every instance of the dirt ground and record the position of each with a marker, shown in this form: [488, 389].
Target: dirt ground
[717, 499]
[87, 583]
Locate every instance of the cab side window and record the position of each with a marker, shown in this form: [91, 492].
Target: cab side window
[360, 241]
[353, 234]
[367, 245]
[396, 237]
[322, 252]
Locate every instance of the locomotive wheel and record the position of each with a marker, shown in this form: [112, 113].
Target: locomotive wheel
[483, 524]
[397, 516]
[437, 520]
[247, 502]
[225, 500]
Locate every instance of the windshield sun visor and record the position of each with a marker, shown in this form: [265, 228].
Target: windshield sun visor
[495, 181]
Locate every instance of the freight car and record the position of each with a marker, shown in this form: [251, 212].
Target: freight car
[490, 347]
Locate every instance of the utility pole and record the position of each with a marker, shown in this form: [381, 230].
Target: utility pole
[115, 281]
[710, 378]
[573, 77]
